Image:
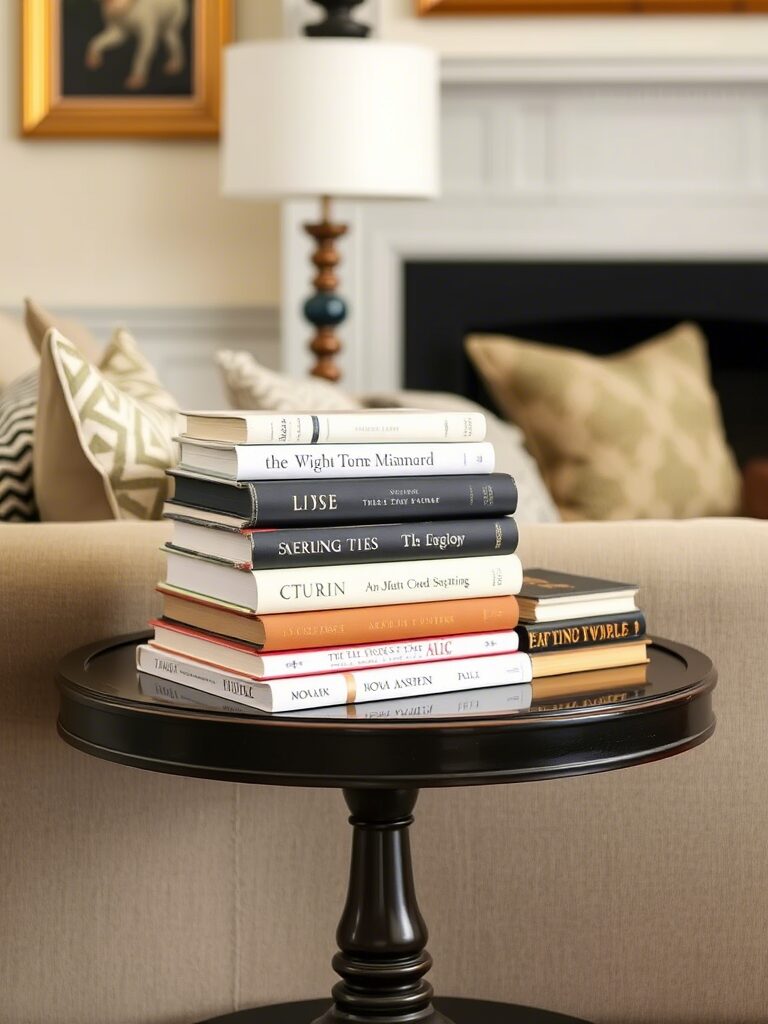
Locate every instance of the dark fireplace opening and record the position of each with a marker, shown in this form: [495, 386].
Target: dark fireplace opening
[597, 307]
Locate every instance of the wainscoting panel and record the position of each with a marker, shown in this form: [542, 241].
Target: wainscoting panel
[182, 342]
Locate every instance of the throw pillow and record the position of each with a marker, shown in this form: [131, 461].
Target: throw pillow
[629, 436]
[104, 435]
[39, 321]
[252, 386]
[534, 502]
[17, 356]
[17, 424]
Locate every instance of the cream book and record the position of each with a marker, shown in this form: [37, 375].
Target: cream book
[359, 425]
[266, 591]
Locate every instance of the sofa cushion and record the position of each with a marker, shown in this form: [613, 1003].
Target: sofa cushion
[252, 386]
[18, 404]
[17, 355]
[633, 435]
[40, 320]
[104, 434]
[535, 504]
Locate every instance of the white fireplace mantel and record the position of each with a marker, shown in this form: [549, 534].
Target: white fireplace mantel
[547, 159]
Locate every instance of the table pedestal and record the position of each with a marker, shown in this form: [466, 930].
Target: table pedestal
[382, 937]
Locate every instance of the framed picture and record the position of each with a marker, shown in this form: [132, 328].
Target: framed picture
[426, 7]
[123, 68]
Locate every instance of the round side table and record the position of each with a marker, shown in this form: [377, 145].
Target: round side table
[112, 712]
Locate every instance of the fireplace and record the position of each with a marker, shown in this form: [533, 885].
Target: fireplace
[598, 307]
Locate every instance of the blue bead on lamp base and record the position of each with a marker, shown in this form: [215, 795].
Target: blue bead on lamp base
[325, 310]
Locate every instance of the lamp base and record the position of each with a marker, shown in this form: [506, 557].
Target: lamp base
[325, 310]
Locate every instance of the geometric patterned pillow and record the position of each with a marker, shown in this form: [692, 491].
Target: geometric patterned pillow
[634, 435]
[111, 427]
[18, 404]
[250, 385]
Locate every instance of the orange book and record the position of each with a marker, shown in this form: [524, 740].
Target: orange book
[339, 627]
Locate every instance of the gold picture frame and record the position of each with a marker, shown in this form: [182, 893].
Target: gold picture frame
[47, 112]
[527, 7]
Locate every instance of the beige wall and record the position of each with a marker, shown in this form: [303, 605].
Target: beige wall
[561, 36]
[127, 223]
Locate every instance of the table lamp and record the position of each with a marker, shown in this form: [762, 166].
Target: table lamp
[332, 116]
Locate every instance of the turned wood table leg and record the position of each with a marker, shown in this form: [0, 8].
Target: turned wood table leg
[382, 960]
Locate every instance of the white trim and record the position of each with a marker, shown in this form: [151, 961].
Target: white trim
[181, 342]
[594, 70]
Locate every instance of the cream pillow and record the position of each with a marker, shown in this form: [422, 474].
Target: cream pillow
[103, 438]
[250, 385]
[629, 436]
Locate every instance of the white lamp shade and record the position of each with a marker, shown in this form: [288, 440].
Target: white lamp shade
[335, 117]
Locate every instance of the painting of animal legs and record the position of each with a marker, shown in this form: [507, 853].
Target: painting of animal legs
[113, 35]
[173, 41]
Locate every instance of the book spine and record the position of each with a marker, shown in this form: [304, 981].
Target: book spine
[489, 700]
[350, 586]
[339, 688]
[290, 462]
[347, 545]
[343, 659]
[351, 428]
[385, 623]
[335, 502]
[538, 638]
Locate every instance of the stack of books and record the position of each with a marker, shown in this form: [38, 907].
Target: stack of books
[327, 559]
[575, 624]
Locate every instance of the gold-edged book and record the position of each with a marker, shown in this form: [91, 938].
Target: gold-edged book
[589, 658]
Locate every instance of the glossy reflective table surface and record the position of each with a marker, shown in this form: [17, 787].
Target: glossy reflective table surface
[380, 754]
[571, 725]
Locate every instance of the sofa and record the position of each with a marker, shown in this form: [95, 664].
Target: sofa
[631, 897]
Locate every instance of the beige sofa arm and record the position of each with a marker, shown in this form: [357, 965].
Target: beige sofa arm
[703, 582]
[63, 585]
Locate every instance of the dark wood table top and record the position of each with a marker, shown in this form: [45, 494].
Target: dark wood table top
[110, 710]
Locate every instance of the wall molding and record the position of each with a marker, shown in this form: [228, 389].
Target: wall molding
[593, 69]
[554, 159]
[181, 341]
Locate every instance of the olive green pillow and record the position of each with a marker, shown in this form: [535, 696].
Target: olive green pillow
[634, 435]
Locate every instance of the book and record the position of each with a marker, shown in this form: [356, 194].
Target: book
[496, 699]
[556, 693]
[338, 687]
[360, 425]
[295, 462]
[343, 626]
[234, 656]
[330, 502]
[268, 591]
[549, 596]
[588, 658]
[569, 634]
[344, 545]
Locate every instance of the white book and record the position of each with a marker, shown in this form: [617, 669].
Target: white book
[338, 687]
[496, 700]
[356, 426]
[235, 656]
[269, 591]
[301, 462]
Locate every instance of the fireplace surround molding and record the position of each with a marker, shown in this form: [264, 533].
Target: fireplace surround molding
[643, 158]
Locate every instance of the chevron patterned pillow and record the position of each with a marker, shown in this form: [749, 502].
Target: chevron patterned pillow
[104, 435]
[18, 405]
